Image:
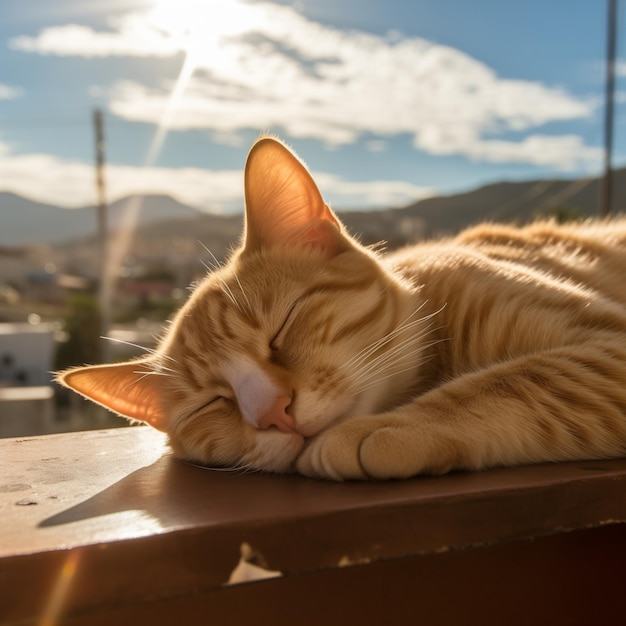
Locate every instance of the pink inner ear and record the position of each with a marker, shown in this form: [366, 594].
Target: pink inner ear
[323, 236]
[127, 388]
[283, 203]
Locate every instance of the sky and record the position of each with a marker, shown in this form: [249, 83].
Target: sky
[387, 101]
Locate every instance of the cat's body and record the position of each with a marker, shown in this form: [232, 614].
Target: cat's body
[501, 346]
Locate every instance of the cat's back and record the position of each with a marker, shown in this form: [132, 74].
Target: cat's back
[591, 254]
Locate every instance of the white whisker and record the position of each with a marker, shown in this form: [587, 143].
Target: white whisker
[374, 369]
[244, 469]
[208, 268]
[404, 326]
[381, 361]
[392, 359]
[150, 351]
[243, 293]
[129, 343]
[228, 291]
[170, 374]
[368, 374]
[401, 344]
[390, 375]
[216, 265]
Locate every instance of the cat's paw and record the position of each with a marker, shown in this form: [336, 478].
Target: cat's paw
[363, 448]
[333, 454]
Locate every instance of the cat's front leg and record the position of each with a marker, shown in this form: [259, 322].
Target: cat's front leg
[559, 405]
[375, 447]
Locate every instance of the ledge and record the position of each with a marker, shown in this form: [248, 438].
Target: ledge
[105, 525]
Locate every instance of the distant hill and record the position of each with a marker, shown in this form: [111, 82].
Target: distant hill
[23, 220]
[515, 202]
[163, 219]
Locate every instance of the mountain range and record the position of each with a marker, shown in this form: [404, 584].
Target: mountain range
[23, 220]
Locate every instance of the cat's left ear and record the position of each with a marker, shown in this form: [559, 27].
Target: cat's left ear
[284, 205]
[125, 388]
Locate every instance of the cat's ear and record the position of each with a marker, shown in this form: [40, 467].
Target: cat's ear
[125, 388]
[284, 205]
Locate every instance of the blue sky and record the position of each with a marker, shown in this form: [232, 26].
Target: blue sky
[386, 100]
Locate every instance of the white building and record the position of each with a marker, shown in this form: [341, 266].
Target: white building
[26, 355]
[26, 394]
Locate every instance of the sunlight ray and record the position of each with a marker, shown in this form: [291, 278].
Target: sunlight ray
[200, 30]
[186, 72]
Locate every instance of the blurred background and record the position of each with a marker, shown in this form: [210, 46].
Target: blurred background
[125, 124]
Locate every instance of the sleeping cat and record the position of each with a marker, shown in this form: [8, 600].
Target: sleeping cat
[309, 352]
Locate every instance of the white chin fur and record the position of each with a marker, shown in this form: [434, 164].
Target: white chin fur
[276, 451]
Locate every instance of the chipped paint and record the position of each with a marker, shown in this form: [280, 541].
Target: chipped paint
[347, 561]
[251, 567]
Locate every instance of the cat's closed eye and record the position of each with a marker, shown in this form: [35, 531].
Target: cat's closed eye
[217, 404]
[276, 340]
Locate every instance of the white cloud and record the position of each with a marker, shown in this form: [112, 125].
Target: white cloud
[134, 37]
[265, 65]
[9, 93]
[52, 180]
[375, 193]
[561, 151]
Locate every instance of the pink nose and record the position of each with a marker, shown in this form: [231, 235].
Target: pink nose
[277, 415]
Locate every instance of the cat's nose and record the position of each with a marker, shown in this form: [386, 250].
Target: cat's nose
[277, 415]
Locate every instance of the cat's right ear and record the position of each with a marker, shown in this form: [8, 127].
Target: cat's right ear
[128, 389]
[284, 205]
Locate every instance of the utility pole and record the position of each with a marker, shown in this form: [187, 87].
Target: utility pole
[104, 287]
[606, 189]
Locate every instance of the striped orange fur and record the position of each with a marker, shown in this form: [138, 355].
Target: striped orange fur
[308, 352]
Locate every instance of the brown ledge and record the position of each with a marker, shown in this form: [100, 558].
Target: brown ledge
[106, 527]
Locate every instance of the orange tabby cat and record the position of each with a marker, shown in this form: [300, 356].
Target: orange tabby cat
[309, 352]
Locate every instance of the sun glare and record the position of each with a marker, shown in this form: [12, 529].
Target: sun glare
[201, 29]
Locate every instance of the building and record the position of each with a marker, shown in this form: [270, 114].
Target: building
[26, 393]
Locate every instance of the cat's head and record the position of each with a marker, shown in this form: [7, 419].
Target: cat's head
[296, 332]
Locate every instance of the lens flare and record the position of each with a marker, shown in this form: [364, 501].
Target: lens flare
[53, 609]
[201, 31]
